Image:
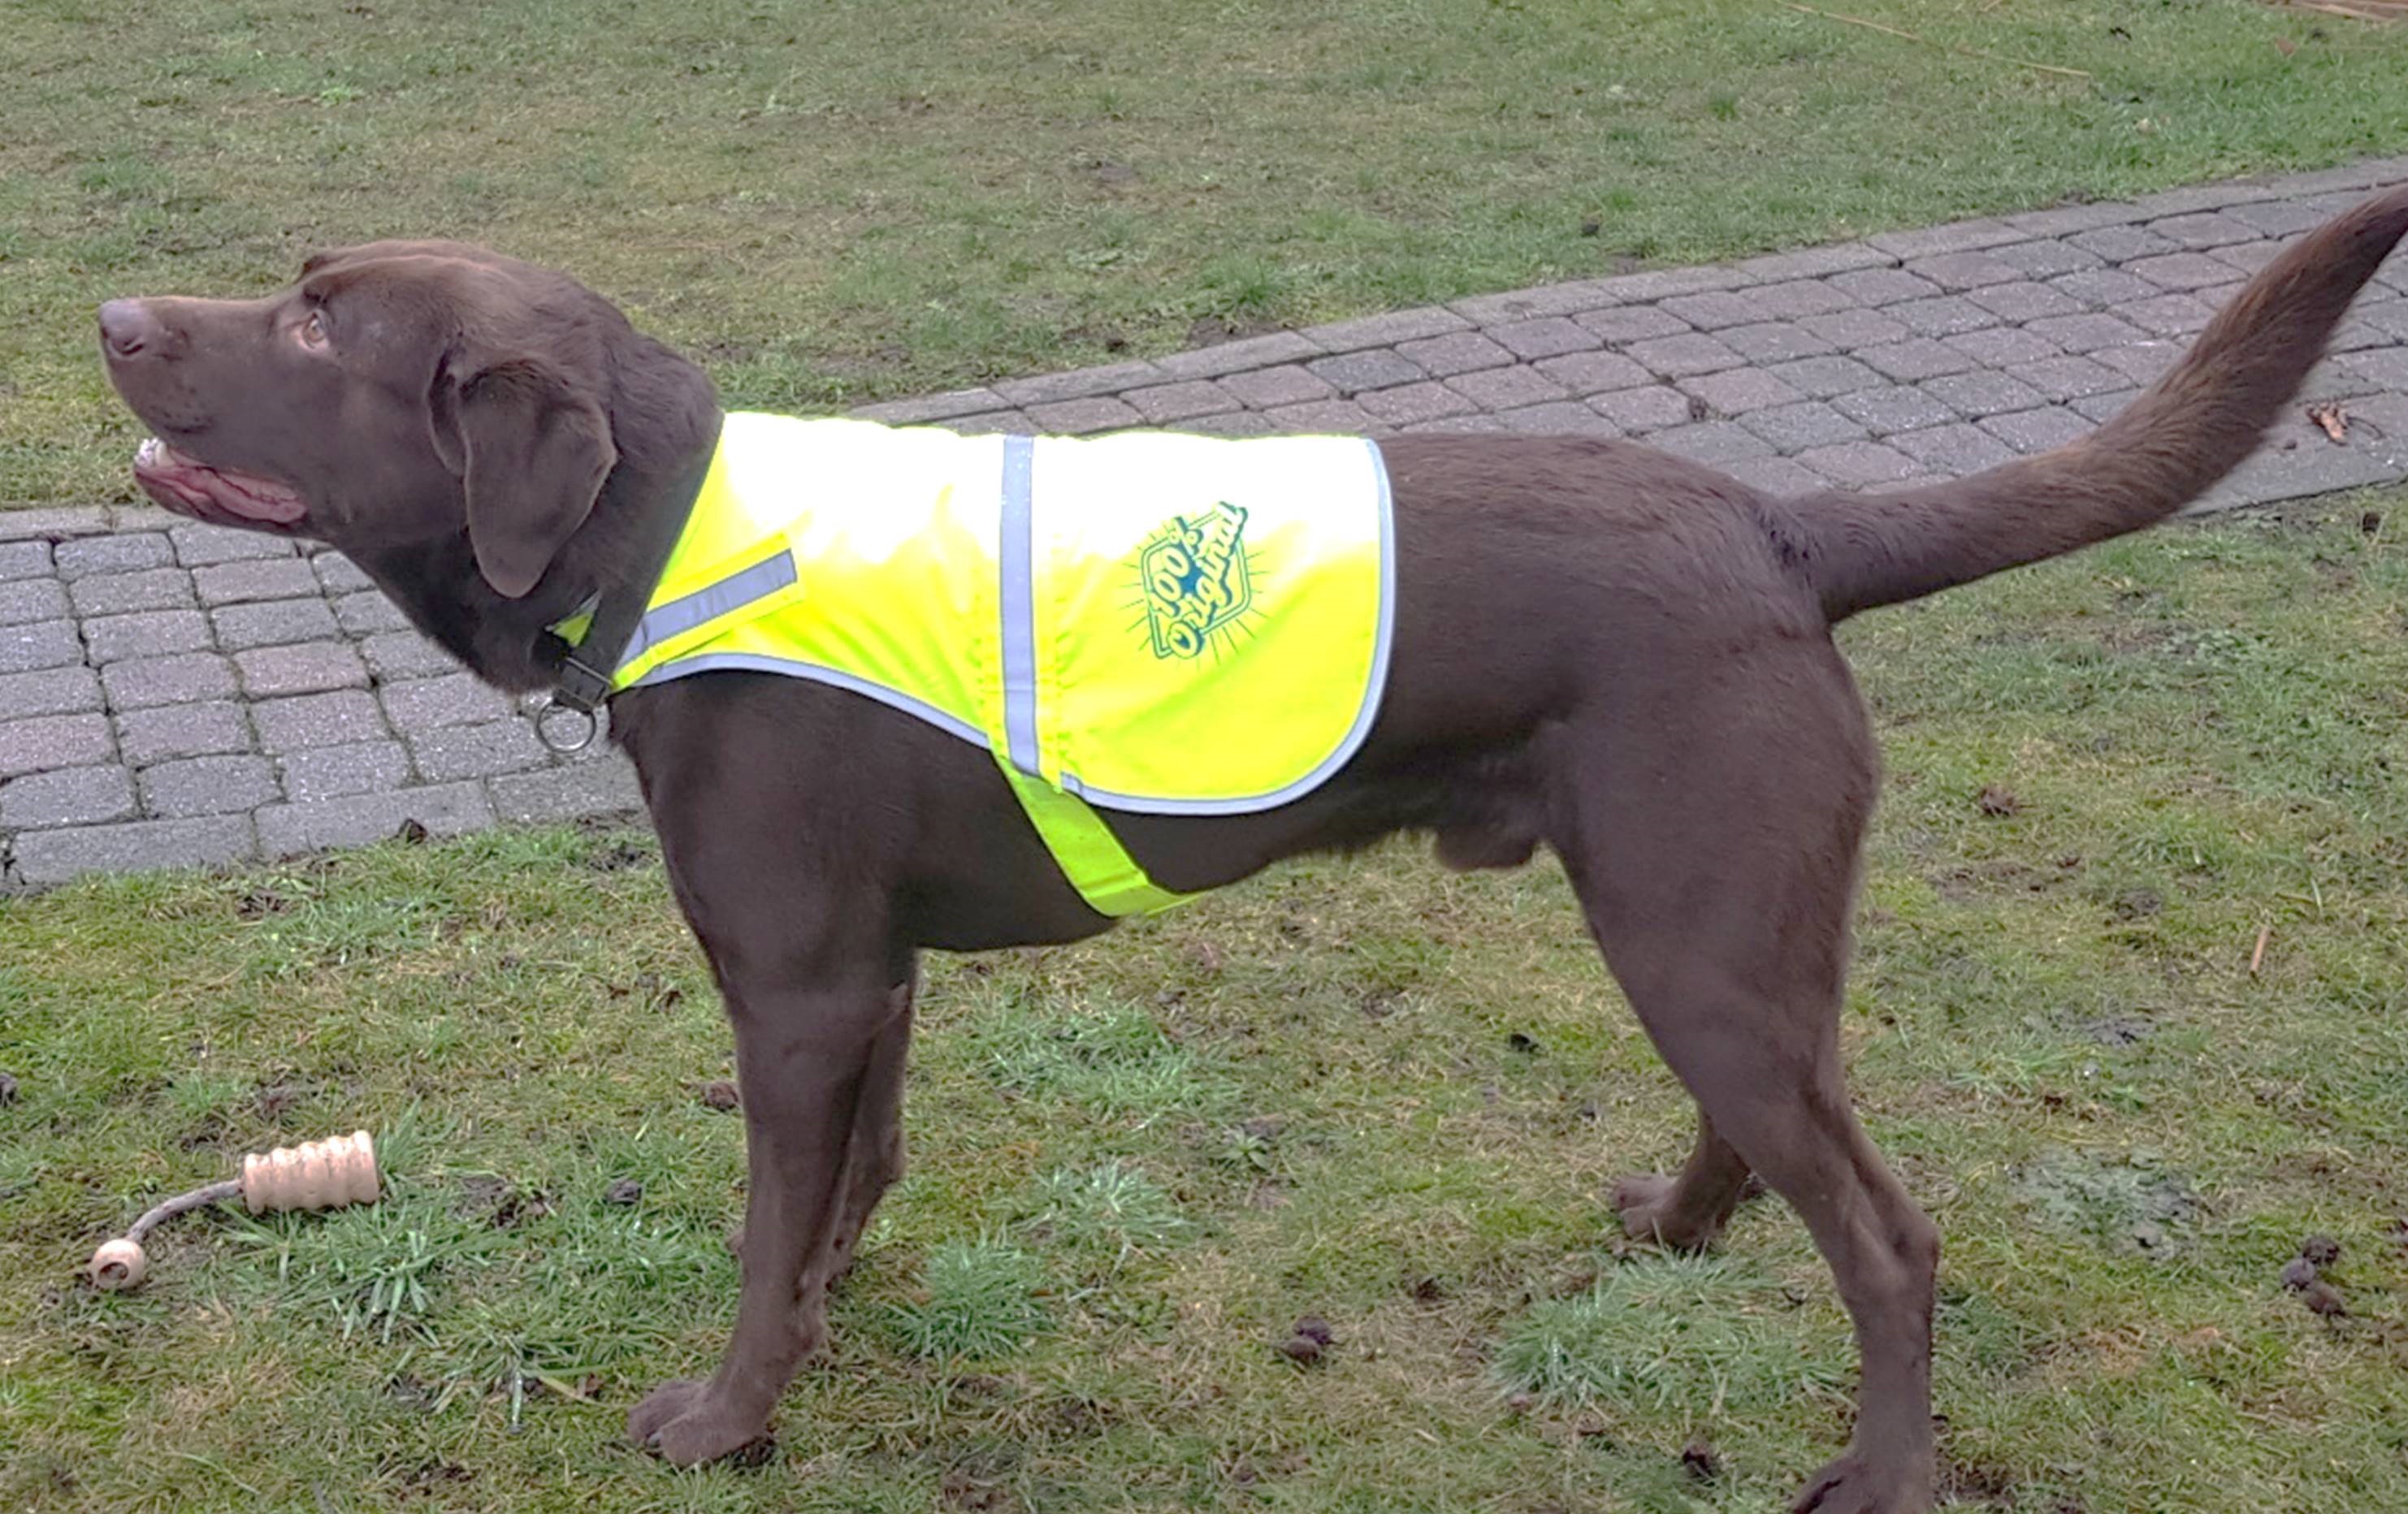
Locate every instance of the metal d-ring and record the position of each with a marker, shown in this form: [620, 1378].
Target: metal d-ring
[565, 728]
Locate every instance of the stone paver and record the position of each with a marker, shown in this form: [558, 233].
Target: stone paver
[174, 693]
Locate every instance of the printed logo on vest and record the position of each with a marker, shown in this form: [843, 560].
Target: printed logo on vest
[1193, 573]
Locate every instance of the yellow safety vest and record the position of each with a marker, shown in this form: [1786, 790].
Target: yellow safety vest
[1148, 622]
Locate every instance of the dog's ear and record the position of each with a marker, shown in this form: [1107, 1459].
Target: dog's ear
[531, 448]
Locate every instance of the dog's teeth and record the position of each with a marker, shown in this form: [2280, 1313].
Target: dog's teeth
[148, 454]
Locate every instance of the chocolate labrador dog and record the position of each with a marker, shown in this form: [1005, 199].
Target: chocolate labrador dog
[1615, 652]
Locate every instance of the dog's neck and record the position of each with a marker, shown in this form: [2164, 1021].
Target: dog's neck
[664, 420]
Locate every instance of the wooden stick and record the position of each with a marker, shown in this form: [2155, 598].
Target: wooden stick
[2388, 13]
[1945, 46]
[2256, 957]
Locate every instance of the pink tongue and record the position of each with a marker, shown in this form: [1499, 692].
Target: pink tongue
[244, 495]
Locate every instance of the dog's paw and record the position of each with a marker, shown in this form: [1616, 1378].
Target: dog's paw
[686, 1426]
[1650, 1213]
[1852, 1485]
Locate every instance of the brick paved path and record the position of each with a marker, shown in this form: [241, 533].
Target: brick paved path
[173, 694]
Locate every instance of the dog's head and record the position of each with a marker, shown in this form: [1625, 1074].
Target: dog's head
[397, 392]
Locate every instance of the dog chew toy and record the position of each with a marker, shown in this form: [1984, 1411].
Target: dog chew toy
[315, 1175]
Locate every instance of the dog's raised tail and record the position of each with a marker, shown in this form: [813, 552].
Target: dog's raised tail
[2171, 444]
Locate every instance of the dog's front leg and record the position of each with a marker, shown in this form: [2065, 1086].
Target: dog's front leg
[804, 1059]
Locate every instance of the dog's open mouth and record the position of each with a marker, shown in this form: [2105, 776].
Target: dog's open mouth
[223, 497]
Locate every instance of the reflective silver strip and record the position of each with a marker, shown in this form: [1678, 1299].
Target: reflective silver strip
[708, 602]
[812, 673]
[1364, 716]
[1018, 551]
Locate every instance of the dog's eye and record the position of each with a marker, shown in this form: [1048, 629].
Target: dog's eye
[313, 331]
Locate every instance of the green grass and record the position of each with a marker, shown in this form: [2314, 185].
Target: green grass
[1371, 1090]
[848, 200]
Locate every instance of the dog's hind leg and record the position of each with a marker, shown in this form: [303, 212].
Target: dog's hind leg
[1685, 1212]
[1714, 853]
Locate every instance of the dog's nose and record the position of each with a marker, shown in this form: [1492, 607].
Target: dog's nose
[127, 327]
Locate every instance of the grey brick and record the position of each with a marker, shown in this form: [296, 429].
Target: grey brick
[2002, 345]
[1958, 237]
[985, 423]
[1774, 341]
[42, 742]
[274, 622]
[1820, 377]
[359, 615]
[2068, 377]
[431, 703]
[67, 796]
[1229, 423]
[1885, 411]
[232, 583]
[1084, 417]
[118, 594]
[1983, 394]
[1943, 317]
[1077, 383]
[1859, 463]
[1716, 309]
[1798, 298]
[1558, 417]
[1548, 337]
[2192, 197]
[48, 857]
[2021, 301]
[306, 667]
[1853, 331]
[1236, 357]
[317, 720]
[57, 525]
[1678, 357]
[1165, 404]
[1663, 284]
[1964, 270]
[205, 545]
[1776, 476]
[207, 786]
[1409, 403]
[1594, 373]
[2181, 271]
[1506, 388]
[1385, 329]
[1353, 372]
[2104, 408]
[2140, 362]
[338, 772]
[1637, 324]
[170, 731]
[2121, 244]
[2088, 332]
[2384, 369]
[25, 559]
[1637, 411]
[1882, 286]
[1814, 261]
[32, 599]
[54, 691]
[1913, 361]
[446, 810]
[1738, 390]
[1710, 442]
[1261, 389]
[2064, 221]
[2277, 217]
[2103, 288]
[1444, 357]
[182, 678]
[151, 634]
[339, 574]
[43, 644]
[601, 785]
[2038, 431]
[1526, 303]
[1319, 417]
[1794, 428]
[1957, 449]
[1478, 420]
[2045, 259]
[132, 552]
[950, 406]
[474, 751]
[2203, 229]
[394, 656]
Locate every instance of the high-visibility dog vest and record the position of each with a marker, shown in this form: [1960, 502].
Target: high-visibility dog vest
[1148, 622]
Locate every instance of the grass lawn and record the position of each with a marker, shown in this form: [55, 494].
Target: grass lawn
[1373, 1093]
[852, 199]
